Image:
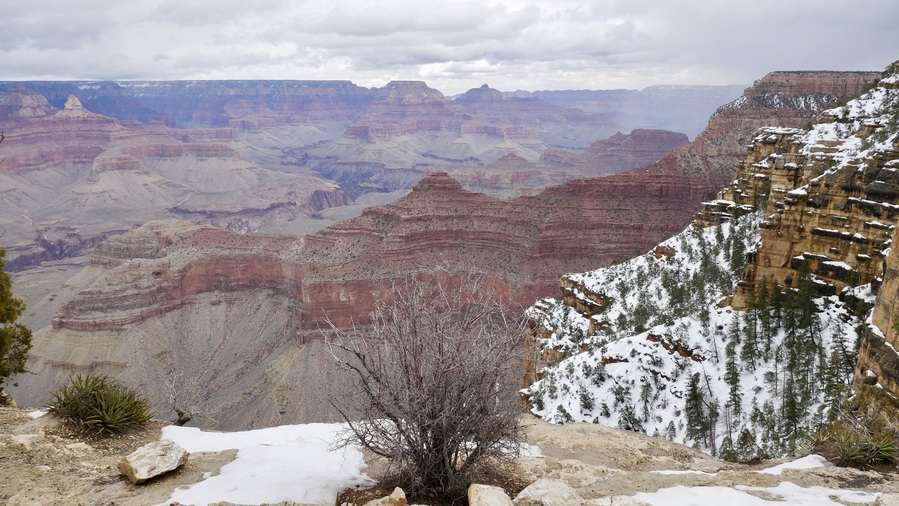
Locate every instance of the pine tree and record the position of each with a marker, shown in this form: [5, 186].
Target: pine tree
[646, 399]
[670, 431]
[732, 378]
[746, 447]
[15, 338]
[695, 412]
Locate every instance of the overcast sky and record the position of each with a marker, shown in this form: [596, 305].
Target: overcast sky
[452, 45]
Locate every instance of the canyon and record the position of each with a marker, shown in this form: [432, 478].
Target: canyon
[239, 315]
[84, 160]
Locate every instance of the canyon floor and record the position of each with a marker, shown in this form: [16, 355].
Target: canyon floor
[42, 462]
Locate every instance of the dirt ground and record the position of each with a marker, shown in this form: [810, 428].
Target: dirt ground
[44, 462]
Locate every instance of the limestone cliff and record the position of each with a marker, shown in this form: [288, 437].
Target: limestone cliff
[636, 330]
[831, 195]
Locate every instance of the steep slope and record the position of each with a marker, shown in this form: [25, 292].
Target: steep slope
[650, 346]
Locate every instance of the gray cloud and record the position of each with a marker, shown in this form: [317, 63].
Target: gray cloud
[454, 45]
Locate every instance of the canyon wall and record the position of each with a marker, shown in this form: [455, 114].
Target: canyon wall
[199, 292]
[86, 160]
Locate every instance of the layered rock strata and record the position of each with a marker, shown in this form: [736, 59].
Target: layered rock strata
[878, 360]
[831, 196]
[71, 178]
[223, 309]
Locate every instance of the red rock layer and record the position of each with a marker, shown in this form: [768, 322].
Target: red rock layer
[521, 245]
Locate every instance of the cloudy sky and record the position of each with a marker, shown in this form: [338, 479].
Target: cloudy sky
[453, 45]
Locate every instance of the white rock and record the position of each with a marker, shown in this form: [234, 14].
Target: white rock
[547, 492]
[396, 498]
[487, 495]
[153, 460]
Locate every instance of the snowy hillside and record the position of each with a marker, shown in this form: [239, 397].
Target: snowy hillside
[652, 344]
[726, 381]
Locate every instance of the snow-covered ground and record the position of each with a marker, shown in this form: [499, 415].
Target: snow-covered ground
[663, 325]
[666, 355]
[286, 463]
[298, 463]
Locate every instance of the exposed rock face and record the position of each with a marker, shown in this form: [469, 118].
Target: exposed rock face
[878, 360]
[832, 202]
[187, 104]
[250, 155]
[71, 177]
[522, 244]
[159, 267]
[786, 99]
[168, 299]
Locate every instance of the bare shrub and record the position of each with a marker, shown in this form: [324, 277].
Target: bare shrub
[435, 390]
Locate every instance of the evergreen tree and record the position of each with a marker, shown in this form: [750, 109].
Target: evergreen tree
[670, 431]
[629, 419]
[763, 302]
[15, 338]
[746, 447]
[695, 412]
[646, 399]
[792, 413]
[727, 451]
[732, 378]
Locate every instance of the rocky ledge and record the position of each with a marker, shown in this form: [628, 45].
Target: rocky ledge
[45, 463]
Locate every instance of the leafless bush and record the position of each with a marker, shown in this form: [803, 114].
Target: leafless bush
[436, 384]
[184, 401]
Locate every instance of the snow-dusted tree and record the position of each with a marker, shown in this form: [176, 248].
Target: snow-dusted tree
[436, 390]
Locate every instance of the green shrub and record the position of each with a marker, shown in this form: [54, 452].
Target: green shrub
[96, 403]
[867, 431]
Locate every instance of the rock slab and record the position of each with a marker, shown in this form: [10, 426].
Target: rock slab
[153, 460]
[396, 498]
[548, 492]
[487, 495]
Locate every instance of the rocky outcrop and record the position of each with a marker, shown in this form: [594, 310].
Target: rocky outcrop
[152, 460]
[785, 99]
[878, 360]
[831, 196]
[157, 268]
[523, 245]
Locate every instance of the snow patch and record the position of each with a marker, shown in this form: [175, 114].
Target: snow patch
[286, 463]
[807, 462]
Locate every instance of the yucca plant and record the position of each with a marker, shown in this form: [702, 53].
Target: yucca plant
[867, 431]
[96, 403]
